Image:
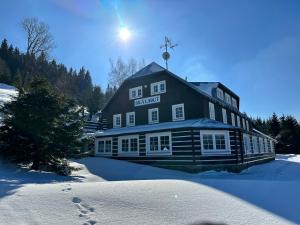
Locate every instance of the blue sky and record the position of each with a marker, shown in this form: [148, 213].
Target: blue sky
[253, 47]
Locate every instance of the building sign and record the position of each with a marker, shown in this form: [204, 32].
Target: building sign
[147, 101]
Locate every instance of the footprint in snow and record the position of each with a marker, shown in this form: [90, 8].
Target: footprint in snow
[84, 210]
[67, 188]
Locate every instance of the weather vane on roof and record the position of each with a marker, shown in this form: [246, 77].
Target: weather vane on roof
[168, 44]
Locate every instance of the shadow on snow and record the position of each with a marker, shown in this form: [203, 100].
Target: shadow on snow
[273, 186]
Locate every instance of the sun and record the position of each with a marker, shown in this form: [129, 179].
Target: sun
[124, 33]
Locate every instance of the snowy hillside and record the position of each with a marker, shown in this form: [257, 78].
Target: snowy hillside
[108, 191]
[6, 92]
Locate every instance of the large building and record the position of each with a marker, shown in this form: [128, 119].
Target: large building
[158, 118]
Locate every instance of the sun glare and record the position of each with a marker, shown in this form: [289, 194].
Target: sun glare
[124, 33]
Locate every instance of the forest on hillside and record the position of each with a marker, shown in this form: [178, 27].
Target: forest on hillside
[19, 69]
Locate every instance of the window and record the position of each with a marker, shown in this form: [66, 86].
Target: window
[261, 145]
[220, 94]
[178, 112]
[215, 142]
[246, 142]
[158, 87]
[153, 116]
[212, 114]
[266, 145]
[208, 142]
[117, 120]
[159, 143]
[232, 119]
[136, 92]
[238, 121]
[272, 146]
[269, 146]
[227, 99]
[104, 146]
[255, 144]
[224, 115]
[243, 120]
[130, 119]
[247, 125]
[128, 145]
[234, 102]
[220, 141]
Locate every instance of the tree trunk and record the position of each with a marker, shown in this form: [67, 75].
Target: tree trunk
[35, 165]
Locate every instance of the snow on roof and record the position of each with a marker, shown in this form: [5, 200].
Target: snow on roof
[149, 69]
[194, 123]
[207, 87]
[261, 133]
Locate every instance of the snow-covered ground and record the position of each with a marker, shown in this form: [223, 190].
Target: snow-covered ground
[7, 92]
[108, 191]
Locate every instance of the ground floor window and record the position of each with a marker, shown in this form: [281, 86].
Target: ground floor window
[159, 143]
[104, 146]
[214, 142]
[128, 144]
[261, 145]
[246, 144]
[255, 144]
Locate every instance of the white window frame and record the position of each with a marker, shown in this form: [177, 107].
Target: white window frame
[130, 152]
[174, 107]
[159, 152]
[212, 113]
[255, 144]
[150, 121]
[227, 98]
[238, 120]
[128, 124]
[266, 145]
[220, 94]
[224, 115]
[234, 102]
[261, 145]
[215, 151]
[272, 146]
[97, 146]
[159, 91]
[246, 144]
[233, 119]
[115, 116]
[136, 89]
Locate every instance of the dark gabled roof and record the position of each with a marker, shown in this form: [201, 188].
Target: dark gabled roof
[149, 69]
[193, 124]
[153, 68]
[209, 86]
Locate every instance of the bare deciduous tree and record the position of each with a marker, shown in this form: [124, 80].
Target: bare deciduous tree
[119, 70]
[39, 38]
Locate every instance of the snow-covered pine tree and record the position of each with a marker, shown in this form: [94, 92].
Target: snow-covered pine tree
[40, 127]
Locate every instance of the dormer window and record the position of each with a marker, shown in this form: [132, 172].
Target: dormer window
[234, 102]
[178, 112]
[158, 87]
[220, 94]
[130, 119]
[136, 92]
[227, 99]
[117, 120]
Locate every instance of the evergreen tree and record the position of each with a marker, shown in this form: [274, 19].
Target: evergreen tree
[40, 127]
[96, 101]
[5, 76]
[274, 125]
